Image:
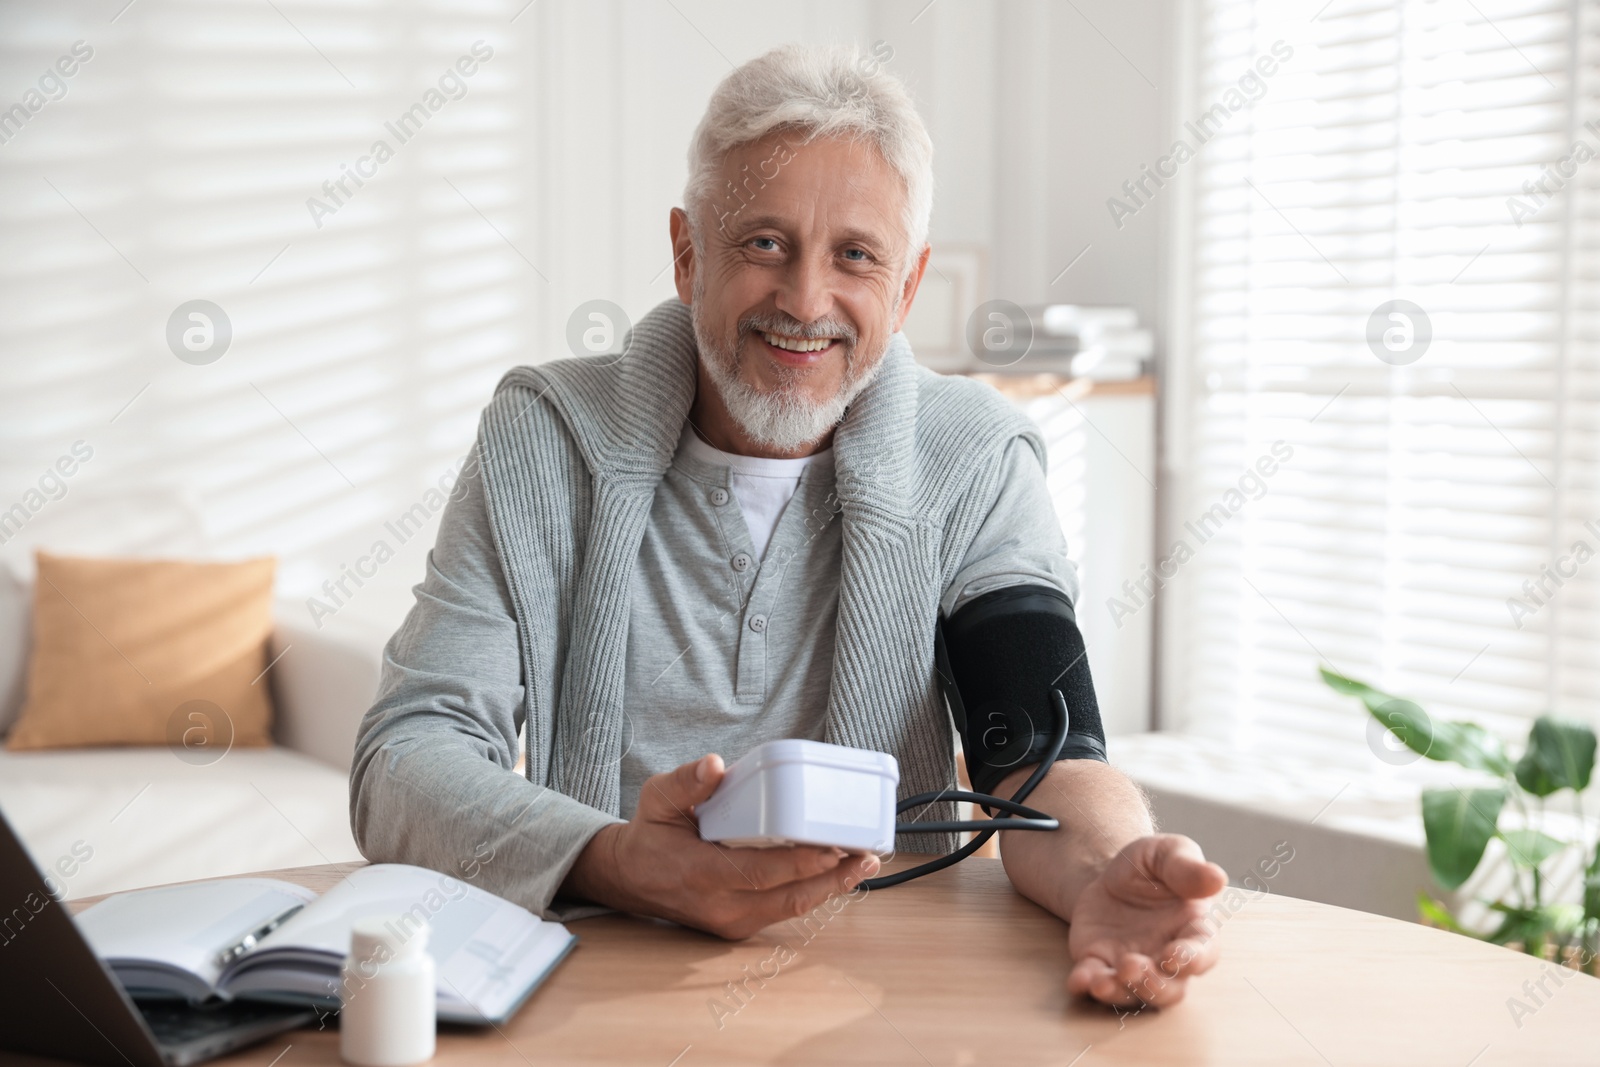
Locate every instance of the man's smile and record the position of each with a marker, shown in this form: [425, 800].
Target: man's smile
[797, 351]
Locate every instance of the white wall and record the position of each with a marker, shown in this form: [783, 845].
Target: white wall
[179, 161]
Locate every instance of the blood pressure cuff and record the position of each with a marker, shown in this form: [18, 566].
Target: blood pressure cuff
[998, 657]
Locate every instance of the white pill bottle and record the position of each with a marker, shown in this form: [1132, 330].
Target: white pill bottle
[387, 994]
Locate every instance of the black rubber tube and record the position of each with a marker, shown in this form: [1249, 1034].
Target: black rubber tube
[1057, 740]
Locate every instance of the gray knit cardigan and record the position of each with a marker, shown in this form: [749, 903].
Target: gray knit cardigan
[572, 452]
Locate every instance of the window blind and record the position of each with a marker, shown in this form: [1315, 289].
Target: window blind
[230, 153]
[1433, 528]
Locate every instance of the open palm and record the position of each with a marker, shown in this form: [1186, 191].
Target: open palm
[1137, 933]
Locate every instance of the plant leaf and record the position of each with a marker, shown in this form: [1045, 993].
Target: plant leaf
[1470, 745]
[1529, 848]
[1406, 721]
[1565, 919]
[1435, 912]
[1341, 684]
[1519, 924]
[1465, 743]
[1591, 887]
[1459, 823]
[1560, 755]
[1534, 926]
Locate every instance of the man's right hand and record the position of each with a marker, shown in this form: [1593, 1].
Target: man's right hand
[658, 865]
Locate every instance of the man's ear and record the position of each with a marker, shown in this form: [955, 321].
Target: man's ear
[909, 292]
[683, 263]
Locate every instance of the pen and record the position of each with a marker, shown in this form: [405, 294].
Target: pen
[253, 938]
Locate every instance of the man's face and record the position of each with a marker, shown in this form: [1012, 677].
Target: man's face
[797, 286]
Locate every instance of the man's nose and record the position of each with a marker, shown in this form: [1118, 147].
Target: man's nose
[804, 294]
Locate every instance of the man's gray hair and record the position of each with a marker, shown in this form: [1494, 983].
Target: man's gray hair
[815, 91]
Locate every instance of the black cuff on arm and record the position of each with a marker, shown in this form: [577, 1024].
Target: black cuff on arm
[998, 657]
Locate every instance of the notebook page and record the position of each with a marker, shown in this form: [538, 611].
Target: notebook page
[185, 926]
[487, 951]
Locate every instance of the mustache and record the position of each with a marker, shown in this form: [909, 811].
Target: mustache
[762, 322]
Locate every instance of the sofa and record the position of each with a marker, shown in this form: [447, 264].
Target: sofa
[100, 820]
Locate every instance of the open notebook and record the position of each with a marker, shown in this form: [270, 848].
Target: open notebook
[261, 939]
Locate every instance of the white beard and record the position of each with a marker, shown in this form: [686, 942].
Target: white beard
[785, 419]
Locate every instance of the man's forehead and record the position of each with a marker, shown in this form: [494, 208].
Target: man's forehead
[842, 185]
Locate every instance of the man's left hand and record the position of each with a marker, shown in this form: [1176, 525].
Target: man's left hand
[1137, 936]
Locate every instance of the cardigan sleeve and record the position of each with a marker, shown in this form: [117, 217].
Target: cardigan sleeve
[434, 780]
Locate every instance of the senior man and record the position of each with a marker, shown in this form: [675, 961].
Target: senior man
[747, 528]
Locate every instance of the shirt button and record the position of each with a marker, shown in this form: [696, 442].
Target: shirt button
[758, 623]
[719, 496]
[741, 562]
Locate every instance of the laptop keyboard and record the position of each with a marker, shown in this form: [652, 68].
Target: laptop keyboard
[176, 1022]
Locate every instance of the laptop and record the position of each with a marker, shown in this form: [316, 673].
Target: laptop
[58, 1000]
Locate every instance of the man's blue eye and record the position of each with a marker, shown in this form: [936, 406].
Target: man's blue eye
[768, 240]
[856, 251]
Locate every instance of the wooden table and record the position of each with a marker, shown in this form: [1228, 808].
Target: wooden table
[958, 969]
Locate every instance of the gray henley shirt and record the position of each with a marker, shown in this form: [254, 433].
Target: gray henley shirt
[725, 651]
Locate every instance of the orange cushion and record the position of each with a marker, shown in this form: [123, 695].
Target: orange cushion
[148, 652]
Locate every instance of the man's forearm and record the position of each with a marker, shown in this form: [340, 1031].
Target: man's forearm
[427, 798]
[1100, 810]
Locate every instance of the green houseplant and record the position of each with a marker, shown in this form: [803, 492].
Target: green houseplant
[1459, 822]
